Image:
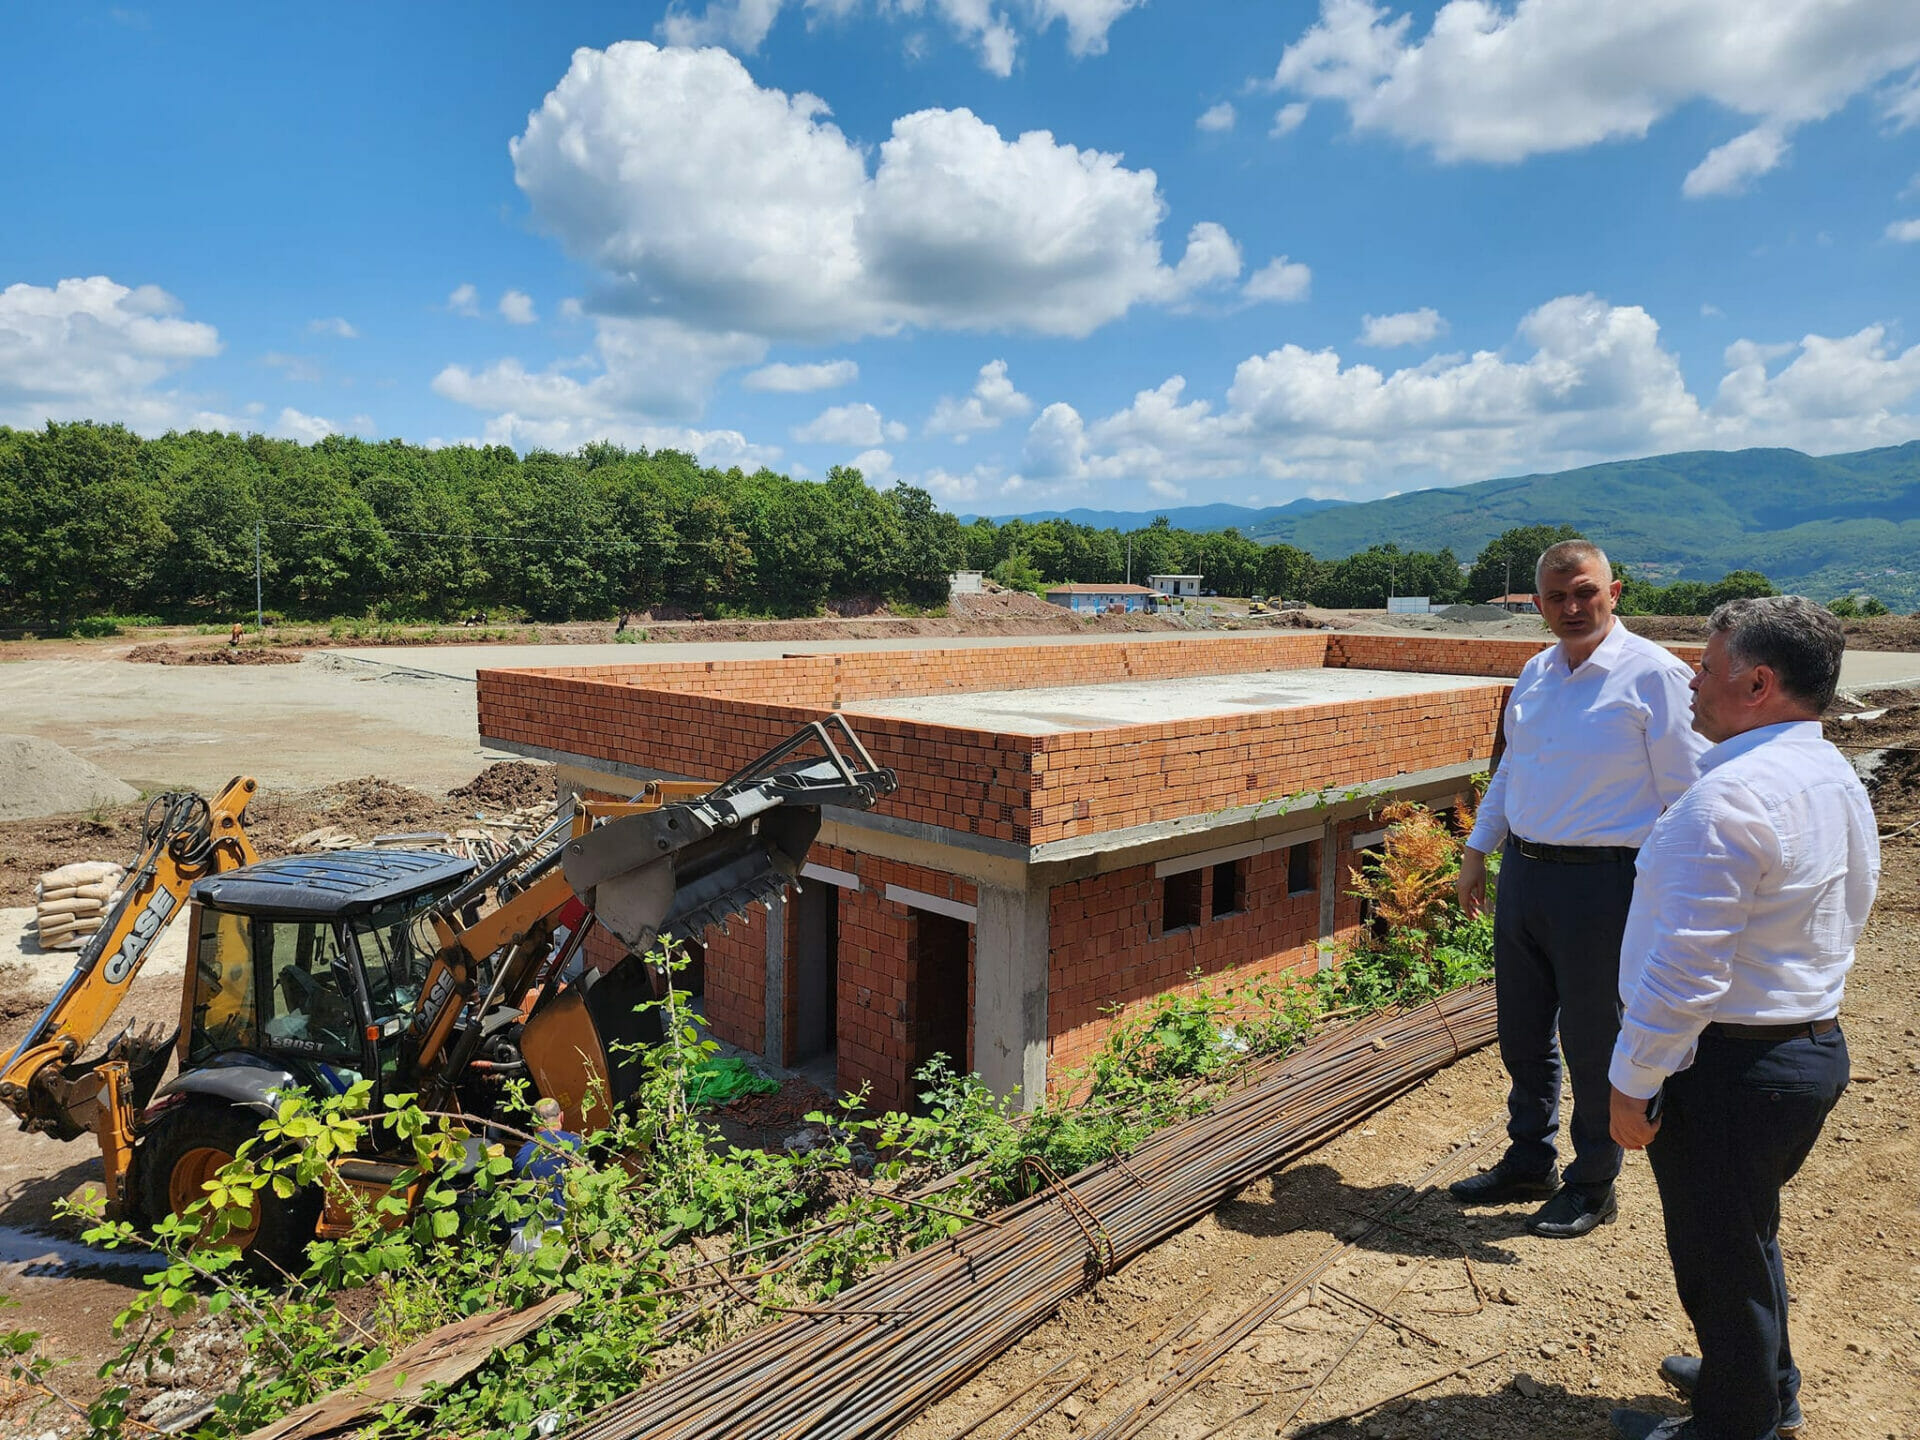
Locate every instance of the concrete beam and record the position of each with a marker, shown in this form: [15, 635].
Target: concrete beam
[1010, 967]
[775, 1046]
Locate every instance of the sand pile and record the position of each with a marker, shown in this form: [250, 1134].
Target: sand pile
[37, 777]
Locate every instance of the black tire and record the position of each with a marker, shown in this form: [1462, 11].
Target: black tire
[189, 1144]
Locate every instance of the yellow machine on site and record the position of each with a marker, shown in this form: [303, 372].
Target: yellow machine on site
[418, 971]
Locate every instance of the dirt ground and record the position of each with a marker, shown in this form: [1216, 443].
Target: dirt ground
[1561, 1331]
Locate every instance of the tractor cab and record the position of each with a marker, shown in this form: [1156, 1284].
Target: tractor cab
[313, 963]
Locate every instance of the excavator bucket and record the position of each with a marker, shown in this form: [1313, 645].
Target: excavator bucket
[690, 865]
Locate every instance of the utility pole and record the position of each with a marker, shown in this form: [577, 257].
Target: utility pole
[1390, 584]
[259, 613]
[1129, 559]
[1507, 588]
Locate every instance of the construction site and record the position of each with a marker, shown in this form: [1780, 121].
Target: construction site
[1000, 848]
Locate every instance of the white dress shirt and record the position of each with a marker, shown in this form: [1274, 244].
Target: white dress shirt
[1593, 755]
[1747, 900]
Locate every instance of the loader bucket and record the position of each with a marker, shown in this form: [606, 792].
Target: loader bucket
[688, 866]
[583, 1049]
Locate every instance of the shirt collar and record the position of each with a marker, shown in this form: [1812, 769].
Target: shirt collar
[1606, 654]
[1749, 740]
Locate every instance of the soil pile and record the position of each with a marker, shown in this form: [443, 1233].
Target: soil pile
[1880, 632]
[1471, 612]
[998, 605]
[44, 779]
[509, 785]
[165, 653]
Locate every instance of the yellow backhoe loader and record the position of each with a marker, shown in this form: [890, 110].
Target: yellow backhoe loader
[418, 971]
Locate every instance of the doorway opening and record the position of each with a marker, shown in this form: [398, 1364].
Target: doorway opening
[816, 974]
[937, 965]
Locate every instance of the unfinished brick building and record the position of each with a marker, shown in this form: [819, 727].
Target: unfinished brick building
[1078, 825]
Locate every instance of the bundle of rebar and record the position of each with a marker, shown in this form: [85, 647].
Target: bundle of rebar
[870, 1359]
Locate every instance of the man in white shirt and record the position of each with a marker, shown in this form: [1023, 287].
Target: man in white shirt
[1599, 742]
[1753, 889]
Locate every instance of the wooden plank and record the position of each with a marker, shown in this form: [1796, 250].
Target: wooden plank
[442, 1357]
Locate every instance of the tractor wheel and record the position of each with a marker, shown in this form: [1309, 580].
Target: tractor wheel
[188, 1146]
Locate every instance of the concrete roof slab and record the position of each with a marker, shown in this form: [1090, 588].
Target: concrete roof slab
[1154, 702]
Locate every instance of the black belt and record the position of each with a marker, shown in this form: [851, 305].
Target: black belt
[1773, 1032]
[1576, 854]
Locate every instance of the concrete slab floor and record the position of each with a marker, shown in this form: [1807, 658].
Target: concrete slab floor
[1156, 702]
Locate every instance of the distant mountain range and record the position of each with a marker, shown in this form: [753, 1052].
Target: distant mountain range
[1183, 517]
[1826, 525]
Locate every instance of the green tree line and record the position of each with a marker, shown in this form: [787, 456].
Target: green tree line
[96, 520]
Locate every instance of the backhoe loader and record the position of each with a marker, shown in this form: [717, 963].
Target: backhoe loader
[420, 972]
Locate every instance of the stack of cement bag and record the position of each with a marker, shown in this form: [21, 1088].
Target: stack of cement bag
[74, 901]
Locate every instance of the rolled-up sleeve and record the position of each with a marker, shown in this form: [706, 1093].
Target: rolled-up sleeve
[1674, 747]
[1697, 878]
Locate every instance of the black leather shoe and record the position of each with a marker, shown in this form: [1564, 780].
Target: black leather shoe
[1645, 1425]
[1683, 1373]
[1572, 1213]
[1500, 1184]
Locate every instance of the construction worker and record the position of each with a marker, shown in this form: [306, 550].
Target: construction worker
[1599, 742]
[546, 1156]
[1753, 889]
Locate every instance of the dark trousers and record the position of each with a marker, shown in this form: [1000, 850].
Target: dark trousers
[1737, 1125]
[1556, 965]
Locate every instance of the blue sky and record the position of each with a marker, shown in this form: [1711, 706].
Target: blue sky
[1027, 253]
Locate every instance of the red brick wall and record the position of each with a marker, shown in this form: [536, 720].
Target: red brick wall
[1092, 780]
[1108, 948]
[736, 998]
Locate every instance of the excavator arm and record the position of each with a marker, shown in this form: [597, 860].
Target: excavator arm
[676, 858]
[44, 1081]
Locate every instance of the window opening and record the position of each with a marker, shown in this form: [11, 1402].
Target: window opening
[1301, 871]
[1227, 899]
[1180, 901]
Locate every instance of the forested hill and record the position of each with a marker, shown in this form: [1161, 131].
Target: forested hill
[95, 520]
[1825, 525]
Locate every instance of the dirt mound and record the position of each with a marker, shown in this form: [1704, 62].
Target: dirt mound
[165, 653]
[1471, 612]
[1880, 632]
[857, 607]
[509, 785]
[990, 605]
[44, 779]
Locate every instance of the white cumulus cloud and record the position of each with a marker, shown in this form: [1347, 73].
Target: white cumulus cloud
[295, 425]
[1906, 232]
[1408, 327]
[743, 25]
[516, 308]
[90, 348]
[1499, 83]
[1729, 168]
[1583, 381]
[992, 401]
[1217, 119]
[1280, 279]
[464, 300]
[784, 379]
[642, 376]
[874, 466]
[855, 424]
[705, 198]
[1287, 118]
[335, 326]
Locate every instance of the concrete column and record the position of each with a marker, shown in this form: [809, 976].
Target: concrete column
[1010, 991]
[1329, 885]
[775, 1028]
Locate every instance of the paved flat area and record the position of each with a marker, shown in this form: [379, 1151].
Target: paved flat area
[402, 713]
[1154, 702]
[464, 661]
